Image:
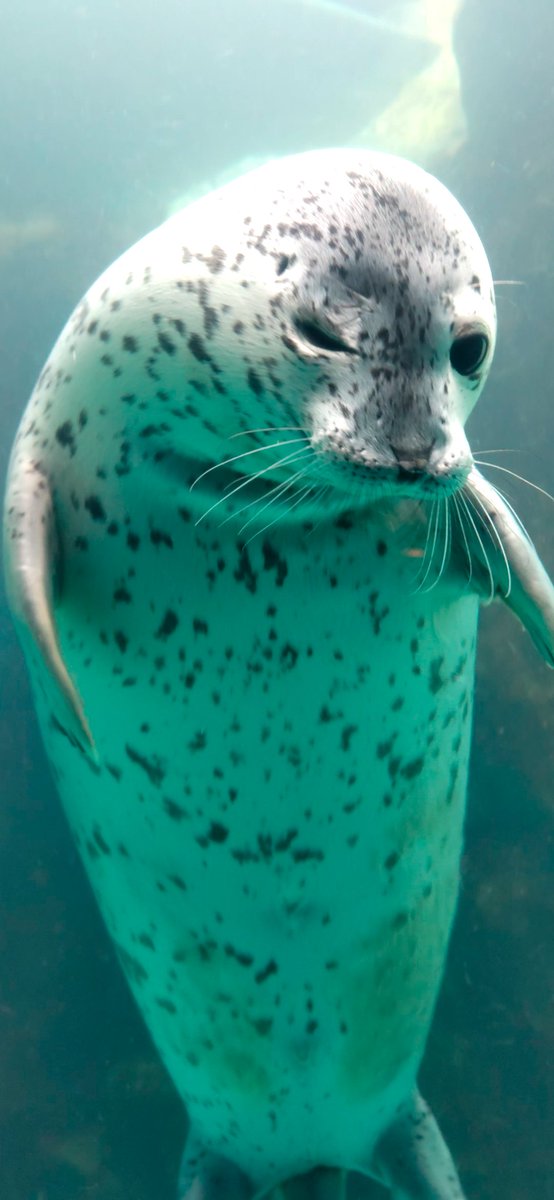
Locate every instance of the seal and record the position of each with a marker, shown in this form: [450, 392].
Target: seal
[245, 546]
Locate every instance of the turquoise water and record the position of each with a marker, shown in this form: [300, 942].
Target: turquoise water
[111, 114]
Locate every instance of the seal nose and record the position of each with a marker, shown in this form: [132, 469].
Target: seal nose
[412, 462]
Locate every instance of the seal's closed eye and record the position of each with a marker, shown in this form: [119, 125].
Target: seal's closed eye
[323, 338]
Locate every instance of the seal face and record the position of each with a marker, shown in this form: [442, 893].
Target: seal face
[245, 542]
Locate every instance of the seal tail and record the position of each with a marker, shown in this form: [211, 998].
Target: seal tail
[31, 552]
[209, 1176]
[411, 1159]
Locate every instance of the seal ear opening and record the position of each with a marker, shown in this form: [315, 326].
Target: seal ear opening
[32, 562]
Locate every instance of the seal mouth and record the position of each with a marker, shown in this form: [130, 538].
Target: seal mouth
[435, 468]
[406, 478]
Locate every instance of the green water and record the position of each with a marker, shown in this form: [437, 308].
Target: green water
[111, 112]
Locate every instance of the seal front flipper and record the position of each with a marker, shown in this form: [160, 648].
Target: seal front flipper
[31, 554]
[412, 1158]
[505, 564]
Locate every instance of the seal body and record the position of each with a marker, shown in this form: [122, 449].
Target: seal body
[275, 834]
[254, 680]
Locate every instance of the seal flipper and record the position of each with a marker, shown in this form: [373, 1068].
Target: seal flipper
[31, 551]
[204, 1175]
[508, 566]
[413, 1160]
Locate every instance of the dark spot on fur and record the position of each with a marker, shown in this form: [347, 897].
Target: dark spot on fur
[95, 507]
[166, 344]
[346, 736]
[167, 626]
[65, 436]
[174, 810]
[151, 766]
[244, 572]
[274, 561]
[254, 381]
[159, 538]
[270, 969]
[435, 678]
[197, 348]
[412, 768]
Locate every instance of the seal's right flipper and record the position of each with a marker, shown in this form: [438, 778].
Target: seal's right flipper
[413, 1160]
[204, 1175]
[492, 546]
[31, 554]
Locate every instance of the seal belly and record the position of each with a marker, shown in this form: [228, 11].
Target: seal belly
[274, 826]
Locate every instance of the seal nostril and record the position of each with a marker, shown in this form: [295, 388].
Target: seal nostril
[413, 461]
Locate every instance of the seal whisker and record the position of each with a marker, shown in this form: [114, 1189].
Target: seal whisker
[517, 518]
[496, 467]
[277, 518]
[442, 507]
[476, 502]
[447, 538]
[464, 501]
[275, 429]
[460, 516]
[229, 487]
[276, 493]
[318, 497]
[245, 454]
[251, 479]
[251, 503]
[431, 518]
[434, 521]
[423, 557]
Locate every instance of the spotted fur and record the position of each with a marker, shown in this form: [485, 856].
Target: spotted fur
[268, 793]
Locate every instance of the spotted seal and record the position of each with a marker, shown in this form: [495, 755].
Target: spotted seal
[245, 547]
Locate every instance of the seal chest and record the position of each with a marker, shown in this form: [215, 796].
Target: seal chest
[254, 676]
[276, 842]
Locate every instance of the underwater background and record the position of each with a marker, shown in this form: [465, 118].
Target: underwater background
[112, 114]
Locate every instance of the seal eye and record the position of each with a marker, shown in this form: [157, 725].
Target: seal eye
[468, 353]
[322, 339]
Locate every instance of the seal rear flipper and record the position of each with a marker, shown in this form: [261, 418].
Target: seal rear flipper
[31, 554]
[505, 564]
[204, 1175]
[413, 1160]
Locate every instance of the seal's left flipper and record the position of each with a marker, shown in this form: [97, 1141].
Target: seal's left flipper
[504, 563]
[413, 1160]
